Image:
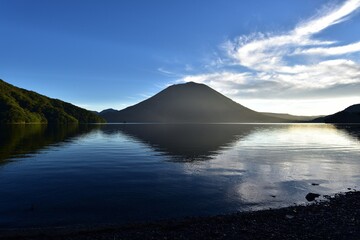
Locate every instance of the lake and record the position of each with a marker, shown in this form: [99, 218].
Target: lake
[123, 173]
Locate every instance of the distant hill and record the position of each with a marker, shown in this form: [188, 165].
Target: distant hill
[187, 103]
[348, 115]
[292, 117]
[22, 106]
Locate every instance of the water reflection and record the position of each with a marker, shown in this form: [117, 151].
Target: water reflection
[259, 164]
[185, 142]
[181, 142]
[134, 172]
[352, 130]
[279, 163]
[22, 140]
[195, 142]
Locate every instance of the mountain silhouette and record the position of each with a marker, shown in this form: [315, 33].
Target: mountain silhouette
[187, 103]
[348, 115]
[22, 106]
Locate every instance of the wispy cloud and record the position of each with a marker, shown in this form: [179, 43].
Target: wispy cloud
[330, 51]
[290, 65]
[166, 72]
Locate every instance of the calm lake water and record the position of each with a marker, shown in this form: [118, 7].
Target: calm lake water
[138, 172]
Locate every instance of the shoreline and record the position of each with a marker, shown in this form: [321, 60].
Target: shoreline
[336, 218]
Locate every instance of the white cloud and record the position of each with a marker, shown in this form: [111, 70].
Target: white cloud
[330, 51]
[333, 16]
[291, 65]
[266, 53]
[310, 107]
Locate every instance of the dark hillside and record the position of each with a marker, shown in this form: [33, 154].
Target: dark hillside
[22, 106]
[348, 115]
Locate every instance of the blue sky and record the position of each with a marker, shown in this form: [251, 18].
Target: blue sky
[299, 56]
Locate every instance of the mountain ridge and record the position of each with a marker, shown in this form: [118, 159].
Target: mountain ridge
[290, 117]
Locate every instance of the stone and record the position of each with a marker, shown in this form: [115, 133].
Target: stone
[311, 196]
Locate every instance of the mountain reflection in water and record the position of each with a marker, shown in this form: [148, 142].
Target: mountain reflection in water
[181, 142]
[20, 140]
[352, 130]
[53, 176]
[185, 142]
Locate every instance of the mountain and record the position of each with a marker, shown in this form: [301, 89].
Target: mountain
[187, 103]
[22, 106]
[292, 117]
[348, 115]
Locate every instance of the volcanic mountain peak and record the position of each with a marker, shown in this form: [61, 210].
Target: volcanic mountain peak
[189, 102]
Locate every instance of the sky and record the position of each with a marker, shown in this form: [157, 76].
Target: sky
[300, 57]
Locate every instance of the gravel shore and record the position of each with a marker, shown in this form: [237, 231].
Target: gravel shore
[337, 218]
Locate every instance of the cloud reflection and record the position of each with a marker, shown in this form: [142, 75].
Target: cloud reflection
[283, 161]
[258, 165]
